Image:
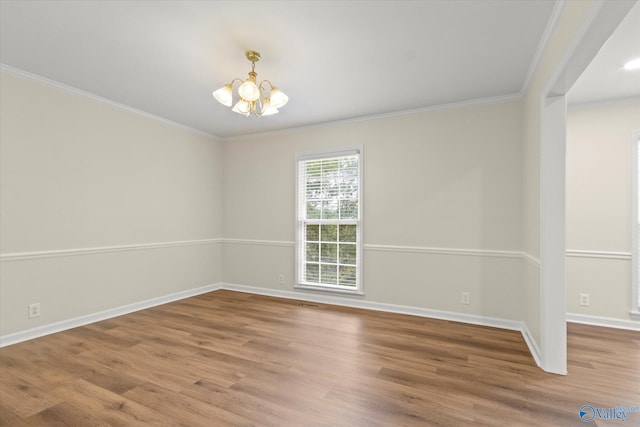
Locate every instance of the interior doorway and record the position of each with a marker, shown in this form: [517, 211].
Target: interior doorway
[603, 19]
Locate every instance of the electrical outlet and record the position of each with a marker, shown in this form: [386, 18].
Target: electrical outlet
[281, 279]
[584, 300]
[466, 298]
[34, 310]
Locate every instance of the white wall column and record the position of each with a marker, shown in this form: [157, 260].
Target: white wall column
[553, 235]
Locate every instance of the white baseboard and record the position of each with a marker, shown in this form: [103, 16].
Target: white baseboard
[52, 328]
[358, 302]
[606, 322]
[531, 343]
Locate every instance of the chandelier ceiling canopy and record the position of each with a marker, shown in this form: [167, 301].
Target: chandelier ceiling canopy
[261, 99]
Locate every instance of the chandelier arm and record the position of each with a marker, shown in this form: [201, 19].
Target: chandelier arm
[260, 102]
[257, 105]
[267, 81]
[263, 90]
[237, 79]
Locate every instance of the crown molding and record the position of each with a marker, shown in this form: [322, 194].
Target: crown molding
[402, 113]
[441, 107]
[52, 83]
[542, 45]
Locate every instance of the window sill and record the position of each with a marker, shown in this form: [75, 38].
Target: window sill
[327, 290]
[635, 315]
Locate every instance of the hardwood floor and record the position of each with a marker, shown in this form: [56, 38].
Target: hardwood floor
[229, 358]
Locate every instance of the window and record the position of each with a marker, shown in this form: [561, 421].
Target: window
[329, 220]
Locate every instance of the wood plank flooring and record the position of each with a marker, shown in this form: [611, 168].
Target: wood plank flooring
[235, 359]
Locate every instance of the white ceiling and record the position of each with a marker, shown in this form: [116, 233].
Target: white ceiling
[605, 78]
[336, 60]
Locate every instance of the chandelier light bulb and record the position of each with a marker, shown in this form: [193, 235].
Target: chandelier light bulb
[249, 91]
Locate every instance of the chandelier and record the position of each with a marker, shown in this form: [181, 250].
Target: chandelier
[253, 98]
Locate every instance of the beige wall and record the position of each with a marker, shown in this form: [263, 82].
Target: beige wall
[78, 174]
[445, 179]
[599, 207]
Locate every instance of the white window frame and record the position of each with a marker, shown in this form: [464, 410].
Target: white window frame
[635, 228]
[300, 249]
